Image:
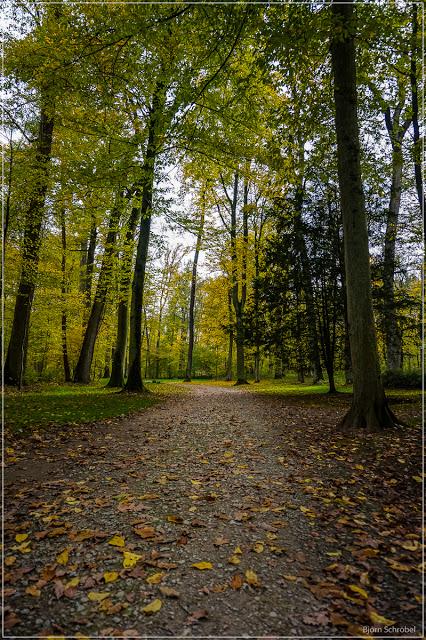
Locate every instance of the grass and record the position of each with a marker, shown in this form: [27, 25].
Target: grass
[45, 405]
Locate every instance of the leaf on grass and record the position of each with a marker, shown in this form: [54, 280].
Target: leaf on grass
[117, 541]
[152, 607]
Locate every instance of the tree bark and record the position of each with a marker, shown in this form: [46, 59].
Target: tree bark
[230, 356]
[417, 152]
[17, 350]
[82, 370]
[65, 358]
[392, 334]
[188, 373]
[369, 408]
[118, 360]
[134, 380]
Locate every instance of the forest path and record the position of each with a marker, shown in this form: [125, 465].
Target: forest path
[215, 475]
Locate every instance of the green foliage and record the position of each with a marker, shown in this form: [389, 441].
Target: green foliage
[402, 379]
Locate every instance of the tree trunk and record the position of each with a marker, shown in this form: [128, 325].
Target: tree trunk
[90, 263]
[237, 300]
[117, 367]
[192, 296]
[369, 405]
[134, 380]
[82, 370]
[415, 111]
[17, 351]
[308, 289]
[65, 358]
[229, 360]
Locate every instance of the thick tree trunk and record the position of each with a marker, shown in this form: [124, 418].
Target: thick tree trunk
[65, 358]
[188, 373]
[17, 351]
[369, 406]
[118, 360]
[82, 370]
[90, 263]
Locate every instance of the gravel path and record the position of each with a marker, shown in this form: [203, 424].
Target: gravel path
[213, 475]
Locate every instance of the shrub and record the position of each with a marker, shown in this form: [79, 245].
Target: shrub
[402, 379]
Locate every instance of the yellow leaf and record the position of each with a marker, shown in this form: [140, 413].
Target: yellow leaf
[33, 591]
[195, 482]
[252, 579]
[20, 537]
[411, 545]
[9, 561]
[130, 559]
[63, 557]
[202, 565]
[153, 607]
[234, 560]
[110, 576]
[398, 566]
[24, 547]
[378, 619]
[155, 578]
[417, 478]
[95, 596]
[258, 547]
[334, 554]
[237, 550]
[72, 583]
[359, 590]
[228, 454]
[290, 578]
[117, 541]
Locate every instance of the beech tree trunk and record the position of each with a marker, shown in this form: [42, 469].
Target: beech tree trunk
[192, 295]
[82, 370]
[369, 408]
[64, 288]
[17, 350]
[393, 341]
[415, 53]
[230, 357]
[119, 357]
[134, 380]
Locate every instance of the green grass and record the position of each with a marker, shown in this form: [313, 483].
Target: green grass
[47, 405]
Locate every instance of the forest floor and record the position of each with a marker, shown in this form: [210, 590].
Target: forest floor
[216, 512]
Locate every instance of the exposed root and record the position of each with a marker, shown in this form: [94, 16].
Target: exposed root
[241, 381]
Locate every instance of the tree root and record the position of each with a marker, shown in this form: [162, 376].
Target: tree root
[374, 418]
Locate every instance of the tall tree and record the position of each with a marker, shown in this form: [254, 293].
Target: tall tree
[369, 407]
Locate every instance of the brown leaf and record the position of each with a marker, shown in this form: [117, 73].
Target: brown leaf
[195, 616]
[169, 592]
[237, 581]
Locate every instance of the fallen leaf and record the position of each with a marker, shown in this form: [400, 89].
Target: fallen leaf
[376, 618]
[21, 537]
[252, 579]
[197, 615]
[155, 578]
[258, 547]
[110, 576]
[202, 565]
[359, 590]
[63, 557]
[33, 591]
[130, 559]
[98, 596]
[152, 607]
[237, 581]
[169, 592]
[117, 541]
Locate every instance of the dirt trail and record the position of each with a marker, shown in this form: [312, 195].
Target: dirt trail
[213, 475]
